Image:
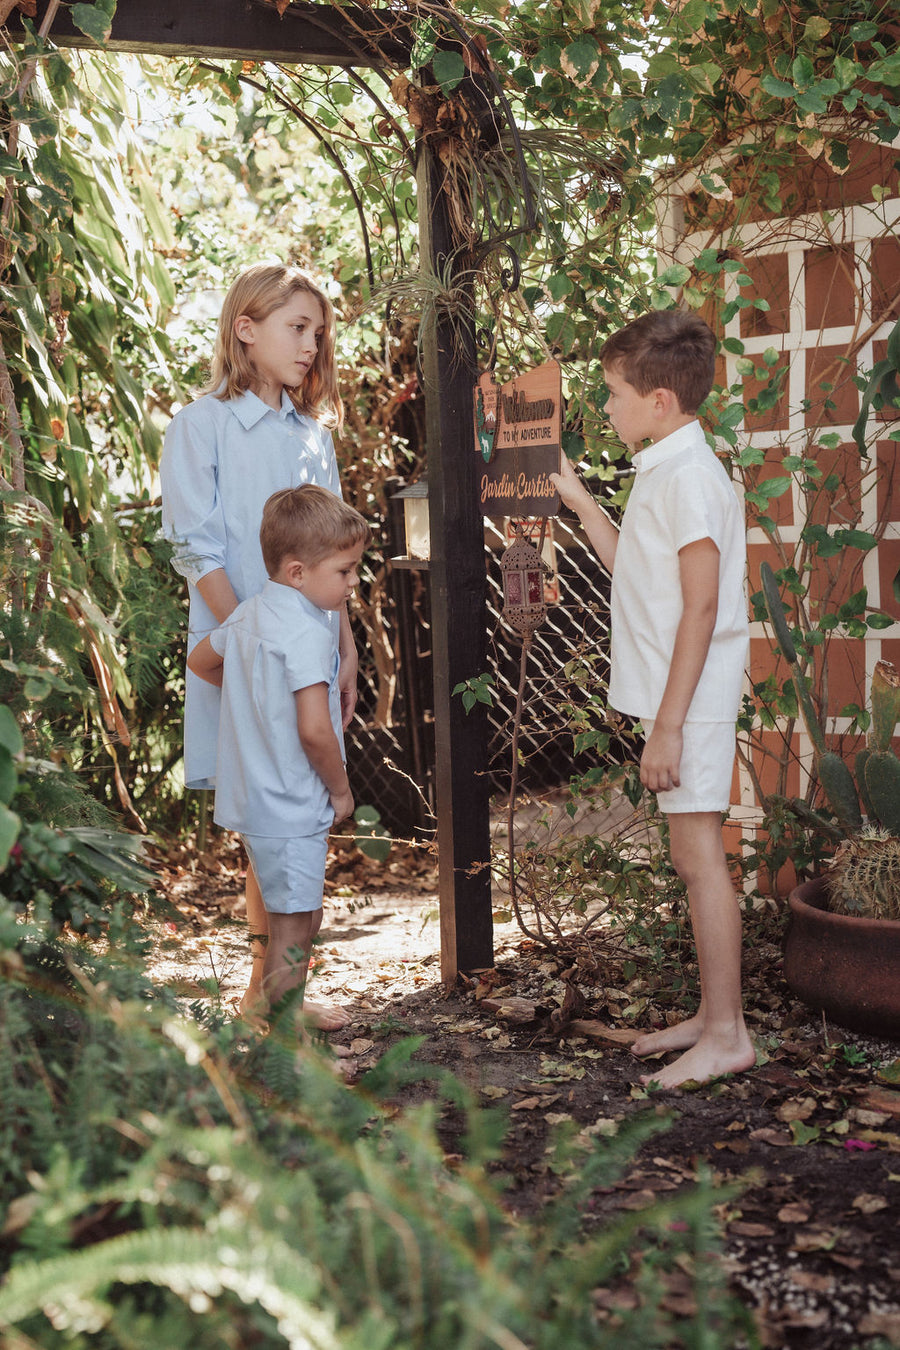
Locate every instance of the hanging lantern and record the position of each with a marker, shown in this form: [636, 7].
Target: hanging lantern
[416, 522]
[523, 569]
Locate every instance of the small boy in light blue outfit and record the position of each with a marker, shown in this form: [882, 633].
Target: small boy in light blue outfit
[281, 780]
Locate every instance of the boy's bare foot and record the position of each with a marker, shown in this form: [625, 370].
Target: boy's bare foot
[325, 1016]
[710, 1057]
[681, 1036]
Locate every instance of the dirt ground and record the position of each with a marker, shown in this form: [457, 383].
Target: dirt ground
[809, 1140]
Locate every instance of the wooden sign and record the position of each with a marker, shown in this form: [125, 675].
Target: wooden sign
[518, 429]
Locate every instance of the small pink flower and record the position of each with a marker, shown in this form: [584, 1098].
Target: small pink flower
[16, 852]
[862, 1145]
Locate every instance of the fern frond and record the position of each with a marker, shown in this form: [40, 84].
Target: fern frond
[253, 1265]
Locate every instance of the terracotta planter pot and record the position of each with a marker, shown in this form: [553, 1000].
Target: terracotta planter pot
[848, 968]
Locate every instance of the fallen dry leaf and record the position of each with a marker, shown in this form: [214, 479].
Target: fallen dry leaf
[812, 1280]
[814, 1239]
[797, 1108]
[638, 1200]
[742, 1229]
[869, 1204]
[794, 1213]
[884, 1100]
[885, 1324]
[528, 1104]
[778, 1138]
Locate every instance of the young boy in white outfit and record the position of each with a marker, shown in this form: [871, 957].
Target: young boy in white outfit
[281, 780]
[679, 645]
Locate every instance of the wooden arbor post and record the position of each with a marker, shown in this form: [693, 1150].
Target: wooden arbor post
[457, 576]
[316, 34]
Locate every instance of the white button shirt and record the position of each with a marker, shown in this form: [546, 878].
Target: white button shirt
[221, 460]
[681, 494]
[273, 644]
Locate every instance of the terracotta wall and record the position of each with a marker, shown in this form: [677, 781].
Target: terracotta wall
[831, 275]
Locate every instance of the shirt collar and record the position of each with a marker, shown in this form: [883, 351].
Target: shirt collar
[286, 600]
[249, 408]
[670, 445]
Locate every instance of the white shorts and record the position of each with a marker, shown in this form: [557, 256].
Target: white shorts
[706, 769]
[290, 872]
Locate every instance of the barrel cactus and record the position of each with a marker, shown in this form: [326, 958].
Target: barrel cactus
[871, 789]
[864, 877]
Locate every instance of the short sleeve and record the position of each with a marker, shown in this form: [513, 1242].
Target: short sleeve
[192, 517]
[218, 640]
[310, 658]
[697, 506]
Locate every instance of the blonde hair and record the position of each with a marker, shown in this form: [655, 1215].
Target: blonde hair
[309, 523]
[257, 292]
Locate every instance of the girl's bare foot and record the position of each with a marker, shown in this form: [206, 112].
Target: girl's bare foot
[253, 1008]
[681, 1036]
[711, 1057]
[325, 1016]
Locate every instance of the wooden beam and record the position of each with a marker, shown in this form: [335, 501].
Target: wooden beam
[458, 604]
[251, 30]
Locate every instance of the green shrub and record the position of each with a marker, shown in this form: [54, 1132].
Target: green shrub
[167, 1184]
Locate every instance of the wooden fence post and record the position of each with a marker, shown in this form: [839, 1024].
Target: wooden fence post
[458, 598]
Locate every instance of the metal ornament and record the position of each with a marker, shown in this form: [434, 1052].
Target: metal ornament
[522, 570]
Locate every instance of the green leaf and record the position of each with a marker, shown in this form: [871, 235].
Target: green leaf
[674, 98]
[772, 487]
[816, 28]
[449, 70]
[777, 88]
[886, 71]
[803, 1133]
[10, 735]
[423, 46]
[562, 332]
[93, 21]
[582, 56]
[11, 167]
[48, 166]
[860, 539]
[9, 777]
[846, 72]
[113, 855]
[559, 285]
[10, 824]
[366, 815]
[803, 72]
[676, 275]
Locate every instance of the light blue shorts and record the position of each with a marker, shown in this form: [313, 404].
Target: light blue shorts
[706, 769]
[290, 872]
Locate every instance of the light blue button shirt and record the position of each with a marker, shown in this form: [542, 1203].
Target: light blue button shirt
[273, 644]
[222, 459]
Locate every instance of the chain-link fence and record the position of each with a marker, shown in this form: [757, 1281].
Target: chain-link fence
[390, 745]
